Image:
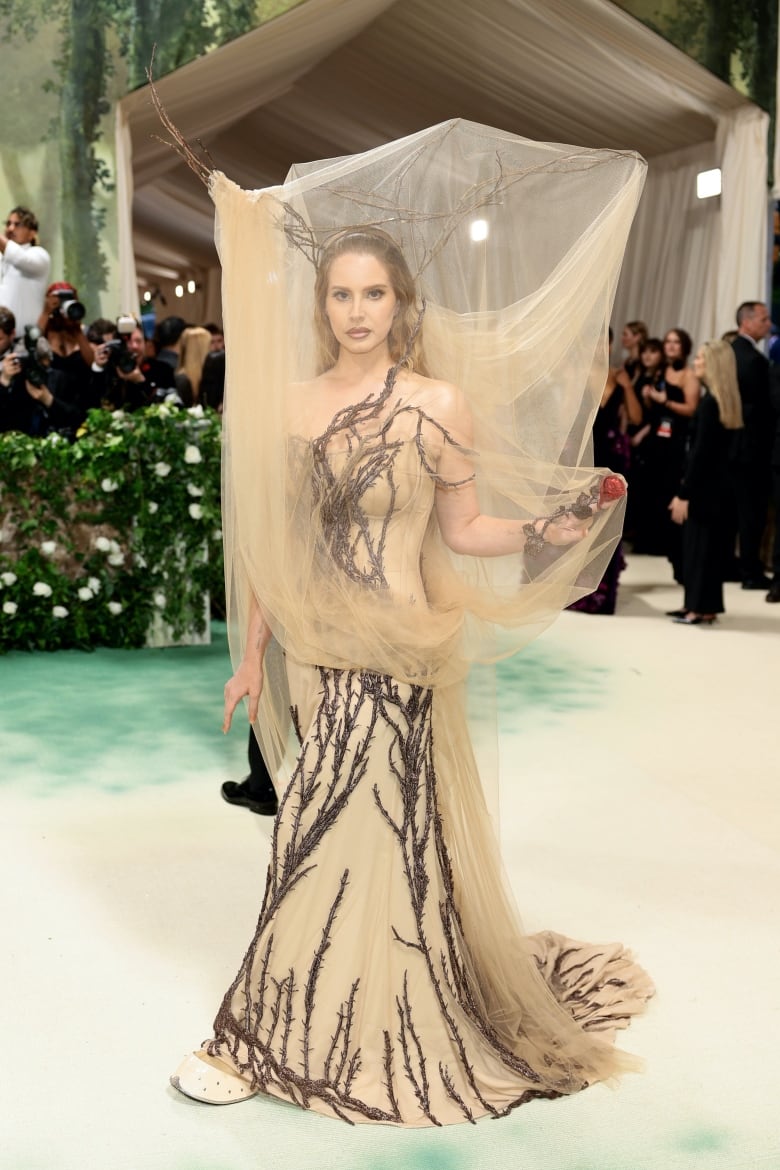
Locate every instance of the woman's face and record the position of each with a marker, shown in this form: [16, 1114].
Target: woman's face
[673, 347]
[650, 359]
[628, 338]
[360, 302]
[700, 363]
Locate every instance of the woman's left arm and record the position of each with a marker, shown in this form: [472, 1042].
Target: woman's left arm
[463, 526]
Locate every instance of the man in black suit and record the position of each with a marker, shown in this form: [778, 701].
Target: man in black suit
[752, 468]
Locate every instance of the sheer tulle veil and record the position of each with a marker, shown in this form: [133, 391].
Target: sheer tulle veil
[516, 247]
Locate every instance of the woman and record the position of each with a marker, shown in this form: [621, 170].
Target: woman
[195, 345]
[699, 505]
[669, 403]
[633, 338]
[71, 351]
[619, 409]
[678, 375]
[388, 980]
[639, 513]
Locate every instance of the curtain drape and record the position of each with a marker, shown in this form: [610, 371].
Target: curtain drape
[128, 285]
[741, 146]
[690, 261]
[669, 270]
[336, 77]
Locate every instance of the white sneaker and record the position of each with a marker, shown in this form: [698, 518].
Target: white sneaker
[204, 1081]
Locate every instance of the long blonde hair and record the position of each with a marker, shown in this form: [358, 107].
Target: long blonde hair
[406, 333]
[720, 378]
[195, 344]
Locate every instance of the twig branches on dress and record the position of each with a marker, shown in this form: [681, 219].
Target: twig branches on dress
[391, 211]
[203, 167]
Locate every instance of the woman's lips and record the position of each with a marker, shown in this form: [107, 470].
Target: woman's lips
[357, 332]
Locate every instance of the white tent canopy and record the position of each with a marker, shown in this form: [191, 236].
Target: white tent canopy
[333, 77]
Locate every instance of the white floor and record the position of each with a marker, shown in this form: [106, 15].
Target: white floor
[642, 806]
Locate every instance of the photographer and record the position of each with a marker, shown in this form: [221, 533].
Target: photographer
[7, 330]
[103, 392]
[34, 397]
[122, 376]
[61, 324]
[24, 267]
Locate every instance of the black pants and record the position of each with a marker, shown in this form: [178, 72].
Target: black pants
[751, 491]
[259, 783]
[776, 545]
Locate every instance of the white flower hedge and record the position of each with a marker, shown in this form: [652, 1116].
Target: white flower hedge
[99, 537]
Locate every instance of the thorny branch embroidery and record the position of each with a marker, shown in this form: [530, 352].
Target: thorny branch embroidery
[273, 1021]
[339, 488]
[269, 1019]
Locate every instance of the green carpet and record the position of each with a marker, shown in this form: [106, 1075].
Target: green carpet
[107, 708]
[638, 801]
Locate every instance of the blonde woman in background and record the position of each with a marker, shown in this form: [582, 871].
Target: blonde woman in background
[700, 503]
[195, 344]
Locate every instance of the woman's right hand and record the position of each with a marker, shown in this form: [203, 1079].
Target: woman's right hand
[248, 680]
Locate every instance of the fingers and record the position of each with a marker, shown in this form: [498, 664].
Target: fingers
[561, 534]
[227, 719]
[233, 696]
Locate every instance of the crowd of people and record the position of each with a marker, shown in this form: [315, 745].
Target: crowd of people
[698, 438]
[56, 366]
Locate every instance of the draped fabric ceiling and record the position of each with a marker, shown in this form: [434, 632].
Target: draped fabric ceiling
[333, 77]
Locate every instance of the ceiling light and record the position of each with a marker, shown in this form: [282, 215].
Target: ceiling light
[708, 183]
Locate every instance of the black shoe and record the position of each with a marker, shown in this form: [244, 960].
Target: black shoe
[263, 803]
[758, 583]
[695, 620]
[774, 592]
[676, 612]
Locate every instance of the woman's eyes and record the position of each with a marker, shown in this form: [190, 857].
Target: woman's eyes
[373, 294]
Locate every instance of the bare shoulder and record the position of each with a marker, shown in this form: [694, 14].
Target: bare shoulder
[445, 408]
[444, 400]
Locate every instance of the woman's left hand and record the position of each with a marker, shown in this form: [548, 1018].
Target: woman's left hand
[567, 530]
[679, 510]
[246, 682]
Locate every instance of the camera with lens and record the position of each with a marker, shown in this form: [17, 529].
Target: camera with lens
[119, 356]
[35, 346]
[69, 308]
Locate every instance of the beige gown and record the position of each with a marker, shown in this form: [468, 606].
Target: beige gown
[367, 992]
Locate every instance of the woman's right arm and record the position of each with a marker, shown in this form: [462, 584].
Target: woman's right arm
[248, 678]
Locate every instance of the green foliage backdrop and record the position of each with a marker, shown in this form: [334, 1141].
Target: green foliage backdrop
[735, 39]
[100, 538]
[73, 60]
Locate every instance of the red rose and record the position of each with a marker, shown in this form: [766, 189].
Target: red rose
[611, 489]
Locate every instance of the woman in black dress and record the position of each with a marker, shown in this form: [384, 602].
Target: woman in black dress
[619, 409]
[700, 502]
[669, 402]
[639, 514]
